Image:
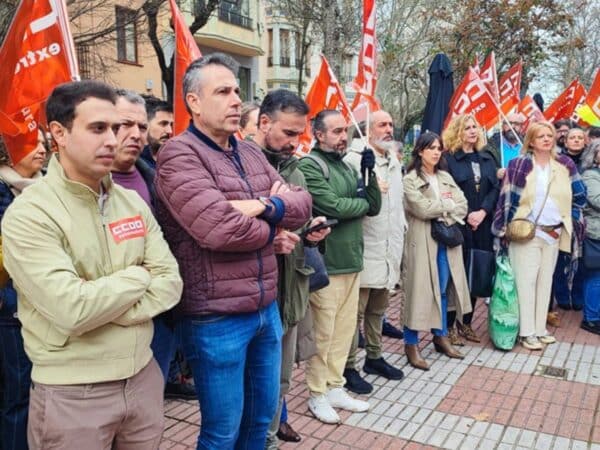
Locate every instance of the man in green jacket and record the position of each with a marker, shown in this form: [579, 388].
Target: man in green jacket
[91, 269]
[281, 121]
[338, 192]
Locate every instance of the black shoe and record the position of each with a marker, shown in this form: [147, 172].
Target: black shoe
[577, 307]
[592, 327]
[361, 340]
[382, 368]
[356, 383]
[180, 390]
[565, 307]
[390, 330]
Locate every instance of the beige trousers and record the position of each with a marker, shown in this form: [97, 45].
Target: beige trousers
[372, 304]
[117, 415]
[334, 310]
[533, 265]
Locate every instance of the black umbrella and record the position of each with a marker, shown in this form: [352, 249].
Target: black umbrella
[441, 88]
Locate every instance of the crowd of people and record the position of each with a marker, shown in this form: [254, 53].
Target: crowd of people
[128, 246]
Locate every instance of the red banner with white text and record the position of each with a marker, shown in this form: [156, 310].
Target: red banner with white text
[489, 76]
[530, 110]
[509, 88]
[37, 55]
[564, 105]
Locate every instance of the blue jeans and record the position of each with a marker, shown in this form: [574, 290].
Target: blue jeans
[235, 360]
[163, 343]
[560, 287]
[16, 380]
[591, 309]
[284, 416]
[412, 336]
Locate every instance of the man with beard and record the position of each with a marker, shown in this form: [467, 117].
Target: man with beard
[281, 121]
[160, 128]
[338, 192]
[562, 129]
[383, 236]
[505, 149]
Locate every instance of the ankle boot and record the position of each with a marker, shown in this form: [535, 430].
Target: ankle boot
[414, 357]
[442, 345]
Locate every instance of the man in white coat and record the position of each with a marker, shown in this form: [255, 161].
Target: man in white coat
[383, 238]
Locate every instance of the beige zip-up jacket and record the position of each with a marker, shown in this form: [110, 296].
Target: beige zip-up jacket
[90, 272]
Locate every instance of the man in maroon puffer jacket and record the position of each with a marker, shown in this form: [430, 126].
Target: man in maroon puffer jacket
[221, 205]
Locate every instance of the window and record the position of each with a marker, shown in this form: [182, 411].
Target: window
[244, 82]
[126, 35]
[284, 48]
[84, 61]
[236, 13]
[270, 54]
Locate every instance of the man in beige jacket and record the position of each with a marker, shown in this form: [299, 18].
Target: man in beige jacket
[383, 236]
[91, 269]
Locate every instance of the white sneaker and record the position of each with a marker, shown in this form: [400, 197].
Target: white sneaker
[531, 343]
[547, 339]
[320, 408]
[339, 398]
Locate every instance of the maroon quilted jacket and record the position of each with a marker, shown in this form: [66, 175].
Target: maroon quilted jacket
[226, 259]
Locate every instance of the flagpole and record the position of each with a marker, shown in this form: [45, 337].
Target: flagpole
[367, 129]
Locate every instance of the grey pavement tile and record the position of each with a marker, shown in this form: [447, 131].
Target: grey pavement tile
[408, 412]
[510, 435]
[454, 440]
[382, 392]
[368, 420]
[395, 426]
[527, 438]
[469, 443]
[478, 429]
[420, 400]
[544, 441]
[486, 444]
[464, 425]
[504, 447]
[381, 407]
[421, 416]
[432, 402]
[438, 437]
[423, 434]
[381, 424]
[595, 447]
[407, 397]
[408, 431]
[494, 432]
[435, 418]
[353, 419]
[579, 445]
[449, 422]
[394, 410]
[561, 443]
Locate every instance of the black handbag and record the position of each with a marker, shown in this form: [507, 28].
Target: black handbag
[481, 268]
[591, 253]
[313, 258]
[448, 235]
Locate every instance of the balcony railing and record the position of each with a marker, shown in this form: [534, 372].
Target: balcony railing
[234, 17]
[270, 61]
[284, 62]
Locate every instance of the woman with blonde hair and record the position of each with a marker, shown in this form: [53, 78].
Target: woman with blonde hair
[540, 210]
[474, 171]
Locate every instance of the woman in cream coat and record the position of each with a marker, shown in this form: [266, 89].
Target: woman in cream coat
[431, 270]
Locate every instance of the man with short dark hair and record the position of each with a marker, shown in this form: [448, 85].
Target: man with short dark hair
[338, 192]
[91, 269]
[160, 128]
[221, 206]
[562, 129]
[281, 122]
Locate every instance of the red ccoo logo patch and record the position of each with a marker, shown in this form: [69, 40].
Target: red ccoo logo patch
[129, 228]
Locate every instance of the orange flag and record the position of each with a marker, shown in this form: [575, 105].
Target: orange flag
[471, 96]
[592, 100]
[530, 110]
[186, 52]
[325, 93]
[37, 55]
[366, 78]
[510, 88]
[489, 75]
[564, 105]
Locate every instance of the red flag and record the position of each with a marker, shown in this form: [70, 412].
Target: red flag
[593, 96]
[510, 87]
[530, 110]
[186, 51]
[489, 76]
[325, 93]
[471, 96]
[40, 48]
[565, 104]
[366, 78]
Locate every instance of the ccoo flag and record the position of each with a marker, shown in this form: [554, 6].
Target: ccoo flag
[186, 51]
[38, 55]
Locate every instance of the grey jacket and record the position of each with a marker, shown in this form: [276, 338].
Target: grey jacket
[591, 212]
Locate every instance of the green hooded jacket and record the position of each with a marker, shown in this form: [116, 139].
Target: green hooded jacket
[336, 197]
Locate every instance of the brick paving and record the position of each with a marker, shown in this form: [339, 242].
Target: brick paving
[490, 400]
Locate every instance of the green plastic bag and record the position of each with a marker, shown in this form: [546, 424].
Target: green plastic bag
[503, 315]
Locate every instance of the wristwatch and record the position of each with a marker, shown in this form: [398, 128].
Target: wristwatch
[268, 205]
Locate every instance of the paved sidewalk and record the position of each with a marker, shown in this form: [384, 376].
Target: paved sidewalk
[489, 400]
